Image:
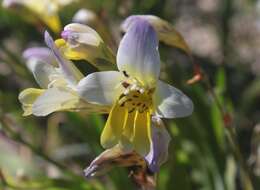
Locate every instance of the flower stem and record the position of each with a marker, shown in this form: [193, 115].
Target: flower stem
[231, 137]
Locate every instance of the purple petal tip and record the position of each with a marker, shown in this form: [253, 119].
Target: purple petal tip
[65, 34]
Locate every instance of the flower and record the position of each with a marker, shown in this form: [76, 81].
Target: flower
[58, 78]
[82, 42]
[135, 92]
[46, 10]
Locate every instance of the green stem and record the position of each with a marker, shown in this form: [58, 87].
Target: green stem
[232, 138]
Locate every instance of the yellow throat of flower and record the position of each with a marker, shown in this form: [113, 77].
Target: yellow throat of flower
[130, 119]
[136, 99]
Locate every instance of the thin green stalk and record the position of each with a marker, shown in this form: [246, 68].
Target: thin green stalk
[232, 138]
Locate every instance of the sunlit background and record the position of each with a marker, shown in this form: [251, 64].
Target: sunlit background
[50, 153]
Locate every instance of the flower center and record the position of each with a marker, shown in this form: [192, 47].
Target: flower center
[136, 98]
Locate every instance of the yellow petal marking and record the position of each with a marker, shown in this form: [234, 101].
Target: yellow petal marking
[142, 133]
[129, 126]
[47, 11]
[113, 129]
[127, 136]
[53, 22]
[68, 52]
[27, 97]
[60, 42]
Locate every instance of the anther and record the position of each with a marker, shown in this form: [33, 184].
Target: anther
[142, 90]
[126, 91]
[133, 87]
[125, 74]
[131, 110]
[121, 96]
[125, 84]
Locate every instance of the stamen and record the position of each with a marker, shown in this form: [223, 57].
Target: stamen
[125, 84]
[121, 96]
[133, 87]
[126, 92]
[135, 98]
[131, 110]
[125, 74]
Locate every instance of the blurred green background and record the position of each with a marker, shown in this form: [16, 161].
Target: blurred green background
[50, 153]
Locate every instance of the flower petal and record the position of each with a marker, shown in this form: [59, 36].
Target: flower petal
[128, 132]
[71, 73]
[52, 21]
[101, 87]
[114, 157]
[43, 54]
[166, 32]
[113, 129]
[38, 63]
[171, 102]
[47, 11]
[142, 133]
[160, 141]
[27, 97]
[79, 33]
[138, 53]
[57, 99]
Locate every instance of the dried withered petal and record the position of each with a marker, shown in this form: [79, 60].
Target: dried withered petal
[117, 157]
[113, 157]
